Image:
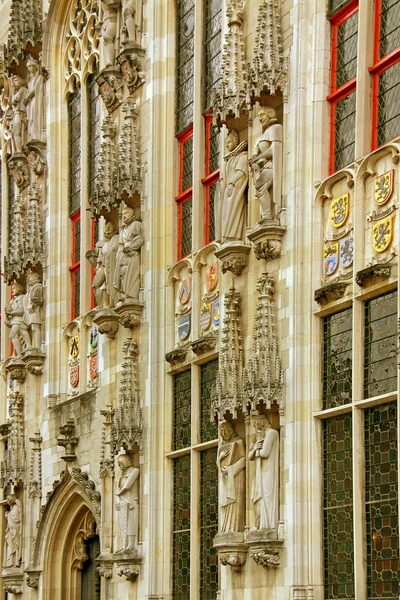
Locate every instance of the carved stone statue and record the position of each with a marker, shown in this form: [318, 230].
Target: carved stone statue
[109, 32]
[132, 19]
[264, 451]
[15, 319]
[127, 268]
[17, 117]
[266, 164]
[127, 505]
[233, 187]
[103, 282]
[33, 302]
[231, 462]
[13, 533]
[34, 100]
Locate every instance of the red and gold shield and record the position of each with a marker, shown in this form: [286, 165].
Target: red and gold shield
[184, 290]
[74, 376]
[93, 367]
[211, 277]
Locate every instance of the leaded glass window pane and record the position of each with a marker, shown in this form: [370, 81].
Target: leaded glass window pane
[335, 5]
[208, 374]
[212, 49]
[381, 495]
[338, 509]
[389, 26]
[76, 291]
[345, 129]
[74, 123]
[185, 64]
[182, 409]
[213, 191]
[181, 530]
[77, 240]
[389, 104]
[346, 50]
[214, 150]
[187, 164]
[186, 227]
[94, 134]
[380, 356]
[337, 347]
[208, 524]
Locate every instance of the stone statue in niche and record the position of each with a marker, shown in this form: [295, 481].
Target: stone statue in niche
[34, 100]
[33, 302]
[13, 533]
[103, 281]
[109, 31]
[266, 165]
[264, 451]
[15, 319]
[231, 462]
[127, 505]
[127, 268]
[17, 116]
[132, 19]
[233, 189]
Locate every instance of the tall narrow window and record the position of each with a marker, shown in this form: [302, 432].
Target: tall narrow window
[386, 72]
[337, 347]
[190, 436]
[75, 180]
[343, 86]
[184, 198]
[93, 133]
[381, 497]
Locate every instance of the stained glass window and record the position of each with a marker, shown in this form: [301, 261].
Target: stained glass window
[346, 50]
[94, 133]
[337, 348]
[185, 64]
[208, 374]
[186, 227]
[181, 530]
[208, 524]
[187, 164]
[338, 508]
[182, 409]
[335, 5]
[389, 104]
[389, 26]
[380, 353]
[212, 48]
[381, 496]
[345, 128]
[74, 121]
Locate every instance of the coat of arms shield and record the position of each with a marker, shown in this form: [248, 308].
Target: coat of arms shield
[383, 187]
[339, 210]
[331, 258]
[382, 234]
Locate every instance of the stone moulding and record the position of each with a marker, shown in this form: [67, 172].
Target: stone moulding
[329, 293]
[368, 275]
[107, 321]
[234, 256]
[266, 237]
[232, 551]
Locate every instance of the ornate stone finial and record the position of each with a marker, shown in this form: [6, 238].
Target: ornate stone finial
[13, 467]
[130, 172]
[128, 424]
[270, 71]
[35, 467]
[25, 29]
[230, 98]
[228, 396]
[105, 197]
[107, 446]
[110, 85]
[264, 376]
[68, 440]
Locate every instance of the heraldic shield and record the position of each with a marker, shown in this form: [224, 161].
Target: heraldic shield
[383, 187]
[382, 234]
[340, 210]
[184, 323]
[331, 258]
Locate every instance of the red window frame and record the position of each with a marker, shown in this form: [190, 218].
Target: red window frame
[183, 195]
[210, 177]
[75, 265]
[337, 94]
[380, 65]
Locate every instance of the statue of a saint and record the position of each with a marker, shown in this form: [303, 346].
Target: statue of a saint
[132, 19]
[33, 302]
[264, 451]
[233, 189]
[109, 33]
[128, 503]
[34, 101]
[13, 533]
[231, 462]
[127, 268]
[266, 164]
[18, 117]
[15, 319]
[103, 281]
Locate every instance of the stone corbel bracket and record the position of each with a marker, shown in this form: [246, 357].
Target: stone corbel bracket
[234, 257]
[68, 440]
[177, 356]
[34, 361]
[131, 61]
[368, 276]
[19, 168]
[105, 567]
[205, 344]
[110, 85]
[266, 238]
[264, 547]
[15, 368]
[128, 565]
[130, 313]
[32, 577]
[13, 578]
[107, 321]
[232, 551]
[329, 293]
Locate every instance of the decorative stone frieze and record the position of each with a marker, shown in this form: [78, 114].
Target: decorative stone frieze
[68, 440]
[234, 257]
[264, 375]
[229, 99]
[270, 67]
[130, 172]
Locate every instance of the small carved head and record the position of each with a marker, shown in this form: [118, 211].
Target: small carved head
[232, 140]
[124, 461]
[128, 215]
[33, 278]
[227, 431]
[33, 66]
[18, 82]
[109, 230]
[17, 288]
[267, 116]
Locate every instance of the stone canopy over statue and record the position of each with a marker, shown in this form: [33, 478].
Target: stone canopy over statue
[266, 165]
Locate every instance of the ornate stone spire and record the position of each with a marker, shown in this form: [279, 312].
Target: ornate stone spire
[230, 98]
[269, 72]
[105, 197]
[13, 263]
[25, 29]
[228, 395]
[34, 251]
[13, 467]
[130, 170]
[264, 376]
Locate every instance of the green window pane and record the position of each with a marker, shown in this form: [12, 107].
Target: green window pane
[208, 525]
[337, 347]
[182, 412]
[181, 530]
[208, 374]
